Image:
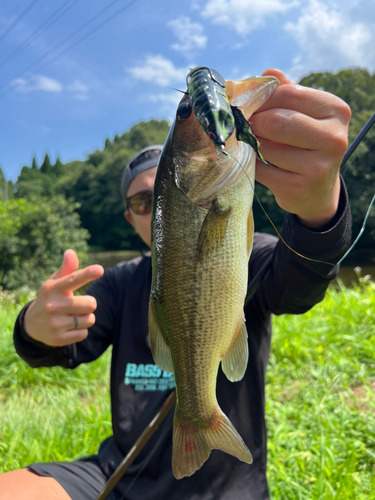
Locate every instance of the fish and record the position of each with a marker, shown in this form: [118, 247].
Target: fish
[202, 232]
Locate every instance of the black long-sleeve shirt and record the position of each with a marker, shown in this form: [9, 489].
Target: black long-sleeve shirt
[139, 387]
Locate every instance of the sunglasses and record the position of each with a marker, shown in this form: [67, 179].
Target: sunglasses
[140, 203]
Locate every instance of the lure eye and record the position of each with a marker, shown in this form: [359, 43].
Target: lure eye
[184, 111]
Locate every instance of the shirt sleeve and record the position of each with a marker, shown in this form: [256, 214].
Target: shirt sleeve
[293, 284]
[37, 354]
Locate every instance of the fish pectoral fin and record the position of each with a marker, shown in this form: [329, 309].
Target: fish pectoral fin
[245, 134]
[250, 232]
[213, 229]
[159, 348]
[192, 444]
[235, 362]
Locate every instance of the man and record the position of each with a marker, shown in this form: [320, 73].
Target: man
[304, 132]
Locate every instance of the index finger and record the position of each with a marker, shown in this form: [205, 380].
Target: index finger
[78, 278]
[311, 102]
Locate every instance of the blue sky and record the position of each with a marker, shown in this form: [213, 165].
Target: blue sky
[64, 96]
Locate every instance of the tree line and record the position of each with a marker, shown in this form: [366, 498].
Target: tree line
[87, 193]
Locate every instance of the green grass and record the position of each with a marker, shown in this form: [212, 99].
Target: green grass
[48, 414]
[320, 401]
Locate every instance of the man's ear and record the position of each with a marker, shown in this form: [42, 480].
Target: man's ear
[128, 216]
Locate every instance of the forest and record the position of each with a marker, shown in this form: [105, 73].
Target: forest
[88, 191]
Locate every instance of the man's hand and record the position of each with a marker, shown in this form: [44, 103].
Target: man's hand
[305, 133]
[50, 318]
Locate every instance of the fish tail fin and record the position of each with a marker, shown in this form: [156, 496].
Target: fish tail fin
[192, 444]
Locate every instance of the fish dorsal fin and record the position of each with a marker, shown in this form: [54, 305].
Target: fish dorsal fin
[213, 229]
[159, 348]
[235, 362]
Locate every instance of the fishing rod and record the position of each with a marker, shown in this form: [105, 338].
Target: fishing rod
[170, 401]
[357, 140]
[138, 446]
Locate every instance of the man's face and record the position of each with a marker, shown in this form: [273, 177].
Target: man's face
[141, 223]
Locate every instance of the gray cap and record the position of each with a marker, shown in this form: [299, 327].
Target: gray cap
[145, 159]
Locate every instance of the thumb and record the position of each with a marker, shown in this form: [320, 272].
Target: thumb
[278, 74]
[69, 265]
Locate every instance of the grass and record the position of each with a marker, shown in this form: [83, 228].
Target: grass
[320, 401]
[48, 414]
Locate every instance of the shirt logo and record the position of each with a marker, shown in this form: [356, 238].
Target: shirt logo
[148, 378]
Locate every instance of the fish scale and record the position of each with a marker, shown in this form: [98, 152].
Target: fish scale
[201, 240]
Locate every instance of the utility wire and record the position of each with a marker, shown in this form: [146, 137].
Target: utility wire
[66, 39]
[87, 35]
[21, 16]
[38, 32]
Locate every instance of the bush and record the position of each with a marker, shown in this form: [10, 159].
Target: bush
[33, 237]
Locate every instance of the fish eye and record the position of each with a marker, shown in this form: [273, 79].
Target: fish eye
[184, 111]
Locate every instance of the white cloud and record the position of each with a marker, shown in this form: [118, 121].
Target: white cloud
[190, 35]
[329, 39]
[158, 70]
[36, 83]
[244, 16]
[79, 90]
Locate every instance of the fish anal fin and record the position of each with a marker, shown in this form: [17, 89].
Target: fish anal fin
[235, 361]
[192, 445]
[213, 229]
[159, 348]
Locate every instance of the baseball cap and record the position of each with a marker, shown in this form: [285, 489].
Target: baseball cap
[145, 159]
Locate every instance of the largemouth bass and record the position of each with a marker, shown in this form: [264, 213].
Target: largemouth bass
[202, 232]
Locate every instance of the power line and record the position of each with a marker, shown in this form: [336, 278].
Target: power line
[88, 34]
[37, 33]
[21, 16]
[66, 39]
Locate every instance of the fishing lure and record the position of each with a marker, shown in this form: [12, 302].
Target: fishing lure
[206, 88]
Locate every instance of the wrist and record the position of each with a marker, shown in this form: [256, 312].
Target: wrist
[27, 322]
[321, 219]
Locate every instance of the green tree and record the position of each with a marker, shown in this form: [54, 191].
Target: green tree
[95, 184]
[29, 183]
[58, 167]
[35, 233]
[46, 167]
[3, 186]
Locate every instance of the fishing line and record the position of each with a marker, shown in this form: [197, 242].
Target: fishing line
[360, 232]
[273, 225]
[281, 238]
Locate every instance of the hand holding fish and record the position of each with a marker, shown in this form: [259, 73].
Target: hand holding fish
[57, 317]
[305, 133]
